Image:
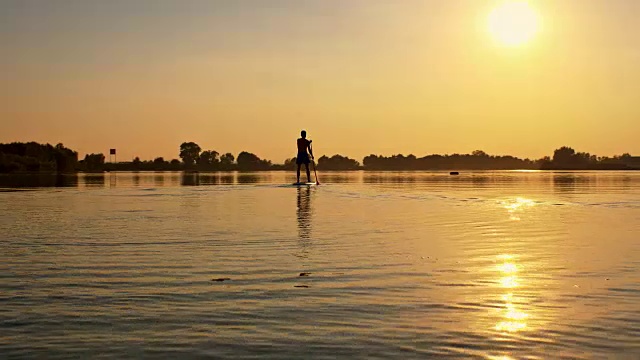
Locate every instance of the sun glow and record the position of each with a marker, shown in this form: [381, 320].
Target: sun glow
[513, 23]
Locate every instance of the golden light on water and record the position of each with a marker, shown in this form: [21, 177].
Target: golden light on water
[514, 314]
[513, 23]
[510, 326]
[513, 319]
[508, 268]
[509, 282]
[516, 205]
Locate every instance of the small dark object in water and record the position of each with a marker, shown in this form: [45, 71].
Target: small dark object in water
[301, 286]
[454, 173]
[220, 279]
[305, 274]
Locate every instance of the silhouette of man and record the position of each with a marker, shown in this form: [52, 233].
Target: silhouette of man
[303, 156]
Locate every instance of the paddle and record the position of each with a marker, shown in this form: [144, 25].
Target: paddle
[313, 162]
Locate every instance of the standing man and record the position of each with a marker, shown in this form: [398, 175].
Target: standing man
[303, 155]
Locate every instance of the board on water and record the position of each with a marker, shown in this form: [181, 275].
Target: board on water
[304, 184]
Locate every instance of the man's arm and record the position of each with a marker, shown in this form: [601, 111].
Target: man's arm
[310, 151]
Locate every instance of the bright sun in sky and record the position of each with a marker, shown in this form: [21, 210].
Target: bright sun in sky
[513, 23]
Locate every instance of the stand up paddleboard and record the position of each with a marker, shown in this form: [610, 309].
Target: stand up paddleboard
[304, 184]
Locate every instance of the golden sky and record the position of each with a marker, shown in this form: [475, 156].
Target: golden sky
[362, 76]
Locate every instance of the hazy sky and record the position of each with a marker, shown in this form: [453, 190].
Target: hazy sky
[362, 76]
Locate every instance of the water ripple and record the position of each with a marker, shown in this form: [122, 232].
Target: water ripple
[489, 265]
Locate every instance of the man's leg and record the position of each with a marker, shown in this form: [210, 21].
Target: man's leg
[298, 173]
[308, 173]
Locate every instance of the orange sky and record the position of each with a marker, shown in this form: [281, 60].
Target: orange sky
[362, 76]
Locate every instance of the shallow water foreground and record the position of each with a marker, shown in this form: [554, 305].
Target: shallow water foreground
[496, 265]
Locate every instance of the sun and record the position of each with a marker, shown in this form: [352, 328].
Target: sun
[513, 23]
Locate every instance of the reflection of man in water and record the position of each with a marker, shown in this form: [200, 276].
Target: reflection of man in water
[304, 213]
[303, 156]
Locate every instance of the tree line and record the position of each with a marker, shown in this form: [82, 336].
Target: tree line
[566, 158]
[477, 160]
[34, 157]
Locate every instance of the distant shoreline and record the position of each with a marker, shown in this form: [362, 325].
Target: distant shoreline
[36, 158]
[187, 172]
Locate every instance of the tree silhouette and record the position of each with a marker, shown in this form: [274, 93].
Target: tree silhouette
[208, 159]
[226, 161]
[66, 159]
[174, 164]
[34, 157]
[290, 164]
[564, 155]
[337, 162]
[189, 153]
[476, 160]
[249, 161]
[93, 162]
[565, 158]
[136, 163]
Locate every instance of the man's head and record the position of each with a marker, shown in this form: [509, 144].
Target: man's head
[303, 133]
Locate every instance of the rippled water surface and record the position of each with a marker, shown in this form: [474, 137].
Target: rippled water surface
[496, 265]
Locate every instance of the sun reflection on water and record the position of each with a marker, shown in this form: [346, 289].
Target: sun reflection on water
[503, 357]
[514, 319]
[509, 282]
[514, 206]
[508, 268]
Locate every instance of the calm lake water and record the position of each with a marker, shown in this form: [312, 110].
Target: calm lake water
[494, 265]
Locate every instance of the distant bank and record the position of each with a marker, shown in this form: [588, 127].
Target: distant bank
[38, 158]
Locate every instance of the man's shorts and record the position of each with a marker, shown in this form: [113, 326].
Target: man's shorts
[303, 158]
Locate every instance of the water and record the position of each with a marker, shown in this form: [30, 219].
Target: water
[495, 265]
